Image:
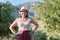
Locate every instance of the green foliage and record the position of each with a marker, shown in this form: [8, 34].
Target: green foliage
[6, 18]
[49, 12]
[38, 35]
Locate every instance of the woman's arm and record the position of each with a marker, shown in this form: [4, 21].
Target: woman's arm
[35, 23]
[12, 26]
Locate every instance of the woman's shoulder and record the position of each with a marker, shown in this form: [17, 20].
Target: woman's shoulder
[17, 18]
[30, 18]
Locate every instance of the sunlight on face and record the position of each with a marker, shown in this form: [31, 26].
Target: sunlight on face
[23, 13]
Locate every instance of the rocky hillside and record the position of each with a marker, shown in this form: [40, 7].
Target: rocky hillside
[31, 6]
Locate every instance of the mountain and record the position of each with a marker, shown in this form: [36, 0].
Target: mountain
[31, 6]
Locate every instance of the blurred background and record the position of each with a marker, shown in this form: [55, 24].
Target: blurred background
[45, 12]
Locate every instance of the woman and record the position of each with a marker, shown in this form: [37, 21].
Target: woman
[23, 23]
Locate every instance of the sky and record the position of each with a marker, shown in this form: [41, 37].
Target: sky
[16, 2]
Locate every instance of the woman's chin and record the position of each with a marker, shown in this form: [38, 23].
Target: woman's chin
[23, 15]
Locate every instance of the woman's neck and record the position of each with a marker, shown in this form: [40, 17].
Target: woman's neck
[23, 18]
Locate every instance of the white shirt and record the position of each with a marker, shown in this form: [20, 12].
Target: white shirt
[23, 25]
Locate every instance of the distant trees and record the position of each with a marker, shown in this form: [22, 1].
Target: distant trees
[6, 10]
[49, 12]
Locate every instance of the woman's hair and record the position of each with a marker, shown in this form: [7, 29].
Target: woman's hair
[26, 15]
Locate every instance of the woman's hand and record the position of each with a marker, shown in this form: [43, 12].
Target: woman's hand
[35, 23]
[31, 33]
[12, 26]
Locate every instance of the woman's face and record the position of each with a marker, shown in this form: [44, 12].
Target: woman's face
[23, 13]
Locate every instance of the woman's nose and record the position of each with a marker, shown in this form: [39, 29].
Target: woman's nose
[22, 13]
